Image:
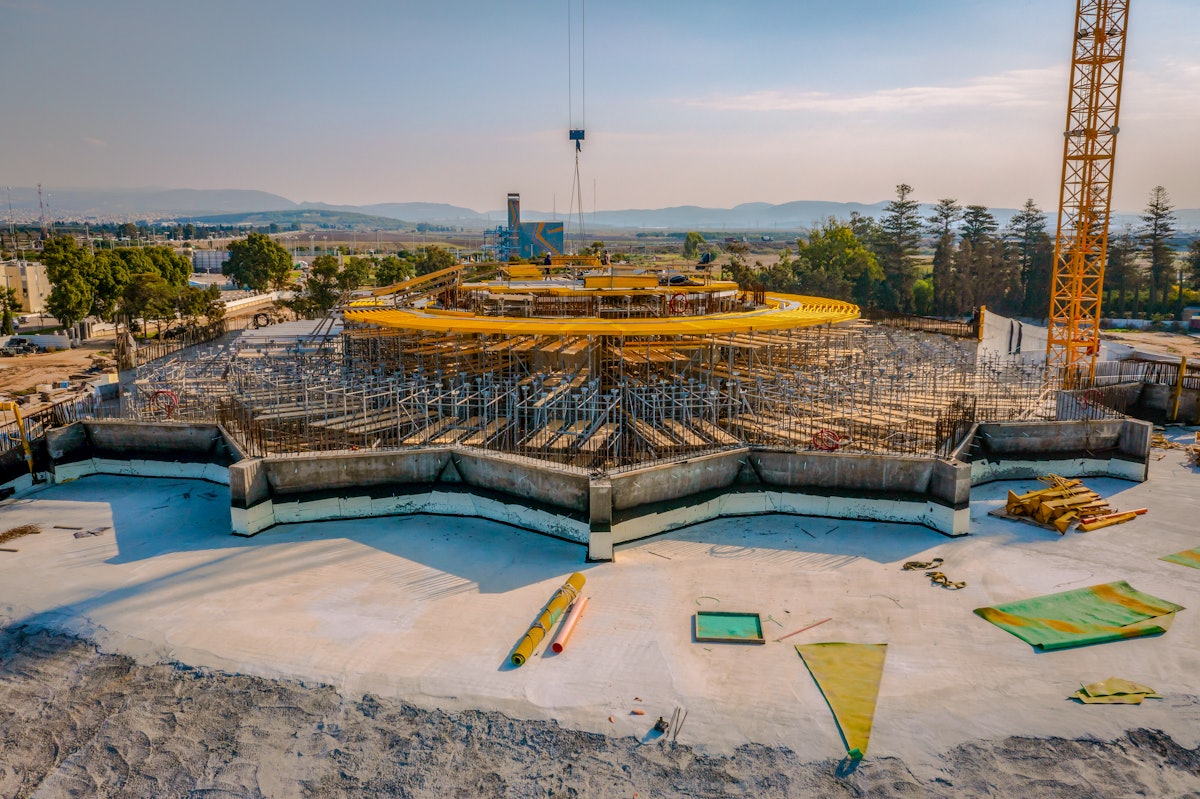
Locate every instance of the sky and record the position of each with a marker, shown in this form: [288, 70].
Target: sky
[684, 103]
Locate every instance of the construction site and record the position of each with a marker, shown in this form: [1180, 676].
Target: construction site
[602, 372]
[548, 525]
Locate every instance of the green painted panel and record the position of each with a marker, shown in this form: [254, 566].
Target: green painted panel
[715, 625]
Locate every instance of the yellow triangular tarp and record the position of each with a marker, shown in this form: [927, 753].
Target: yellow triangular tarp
[848, 675]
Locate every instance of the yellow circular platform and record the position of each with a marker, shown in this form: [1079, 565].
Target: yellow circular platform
[784, 311]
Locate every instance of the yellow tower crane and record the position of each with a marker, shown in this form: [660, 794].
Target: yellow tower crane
[1089, 152]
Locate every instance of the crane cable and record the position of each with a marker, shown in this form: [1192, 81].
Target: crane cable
[576, 204]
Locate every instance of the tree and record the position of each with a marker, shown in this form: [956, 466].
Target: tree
[10, 303]
[355, 272]
[692, 244]
[392, 270]
[945, 214]
[1027, 231]
[1121, 268]
[258, 262]
[899, 235]
[434, 258]
[832, 262]
[109, 275]
[1193, 261]
[978, 223]
[63, 257]
[71, 299]
[320, 289]
[192, 303]
[149, 297]
[1158, 225]
[326, 282]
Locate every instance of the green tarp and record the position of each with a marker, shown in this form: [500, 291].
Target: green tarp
[1189, 557]
[1095, 615]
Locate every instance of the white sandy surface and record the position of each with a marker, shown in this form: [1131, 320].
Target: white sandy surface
[427, 609]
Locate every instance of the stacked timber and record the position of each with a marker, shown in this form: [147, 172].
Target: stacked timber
[1060, 504]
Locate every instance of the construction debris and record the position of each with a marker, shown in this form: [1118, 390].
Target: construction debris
[1114, 691]
[938, 578]
[1063, 503]
[19, 532]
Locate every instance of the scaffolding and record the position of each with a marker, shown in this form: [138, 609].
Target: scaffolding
[599, 402]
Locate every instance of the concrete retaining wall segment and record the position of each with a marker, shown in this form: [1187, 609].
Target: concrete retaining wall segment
[669, 481]
[1029, 438]
[179, 450]
[843, 471]
[1025, 450]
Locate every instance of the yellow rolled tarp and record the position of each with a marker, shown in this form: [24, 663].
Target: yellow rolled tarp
[848, 675]
[550, 615]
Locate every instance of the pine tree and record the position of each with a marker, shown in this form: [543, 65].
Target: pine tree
[1158, 225]
[900, 233]
[1027, 232]
[941, 223]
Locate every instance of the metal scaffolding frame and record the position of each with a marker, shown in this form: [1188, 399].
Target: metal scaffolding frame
[599, 402]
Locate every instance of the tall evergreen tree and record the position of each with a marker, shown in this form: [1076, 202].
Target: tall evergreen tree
[1193, 261]
[1027, 232]
[941, 223]
[1121, 269]
[978, 222]
[899, 235]
[1158, 225]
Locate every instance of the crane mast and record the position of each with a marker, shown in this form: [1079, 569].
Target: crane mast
[1089, 152]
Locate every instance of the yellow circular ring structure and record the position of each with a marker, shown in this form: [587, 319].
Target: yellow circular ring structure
[784, 311]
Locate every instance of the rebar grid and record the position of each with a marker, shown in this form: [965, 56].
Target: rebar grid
[602, 402]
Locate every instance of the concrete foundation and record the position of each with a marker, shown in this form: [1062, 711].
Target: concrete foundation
[600, 511]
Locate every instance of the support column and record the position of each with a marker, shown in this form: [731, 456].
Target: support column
[600, 537]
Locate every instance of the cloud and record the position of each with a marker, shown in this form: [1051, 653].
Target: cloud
[1023, 88]
[94, 142]
[1162, 90]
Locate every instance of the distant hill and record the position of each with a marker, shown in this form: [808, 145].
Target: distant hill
[167, 204]
[147, 202]
[305, 217]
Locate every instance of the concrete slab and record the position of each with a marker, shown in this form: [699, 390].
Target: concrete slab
[427, 608]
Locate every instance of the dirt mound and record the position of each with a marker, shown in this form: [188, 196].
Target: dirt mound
[75, 722]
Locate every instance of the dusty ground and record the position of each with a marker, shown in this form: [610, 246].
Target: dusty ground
[369, 657]
[26, 371]
[74, 722]
[1166, 343]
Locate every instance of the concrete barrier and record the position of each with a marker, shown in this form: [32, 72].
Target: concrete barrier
[543, 497]
[1019, 450]
[160, 449]
[601, 510]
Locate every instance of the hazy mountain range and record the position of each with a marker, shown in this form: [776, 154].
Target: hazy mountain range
[230, 206]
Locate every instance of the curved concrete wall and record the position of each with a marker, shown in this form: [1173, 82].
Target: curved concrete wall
[601, 510]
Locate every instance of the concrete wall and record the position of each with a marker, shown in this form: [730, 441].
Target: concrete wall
[1157, 402]
[165, 449]
[1018, 450]
[601, 511]
[843, 471]
[670, 481]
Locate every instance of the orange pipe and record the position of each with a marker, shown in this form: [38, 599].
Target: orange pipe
[1136, 512]
[568, 625]
[1107, 521]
